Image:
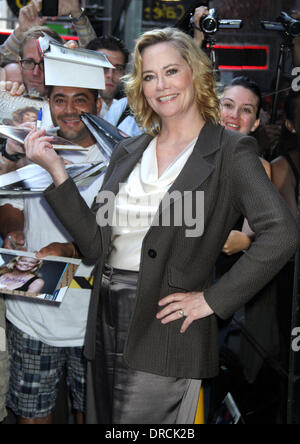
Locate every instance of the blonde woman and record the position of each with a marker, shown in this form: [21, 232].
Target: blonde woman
[21, 274]
[152, 327]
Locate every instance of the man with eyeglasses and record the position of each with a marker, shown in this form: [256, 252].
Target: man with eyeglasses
[29, 18]
[32, 63]
[33, 77]
[117, 54]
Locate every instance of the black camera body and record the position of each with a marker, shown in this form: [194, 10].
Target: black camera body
[285, 24]
[210, 24]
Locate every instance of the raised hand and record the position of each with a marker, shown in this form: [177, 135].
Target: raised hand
[198, 14]
[66, 7]
[39, 150]
[29, 15]
[14, 88]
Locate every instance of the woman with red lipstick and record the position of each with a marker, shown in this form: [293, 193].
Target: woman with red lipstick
[152, 328]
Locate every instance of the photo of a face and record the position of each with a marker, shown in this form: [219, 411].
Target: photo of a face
[26, 263]
[21, 115]
[25, 275]
[22, 274]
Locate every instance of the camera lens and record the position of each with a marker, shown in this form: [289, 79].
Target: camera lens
[209, 25]
[294, 28]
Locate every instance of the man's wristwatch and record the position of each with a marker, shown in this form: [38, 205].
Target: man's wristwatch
[77, 19]
[11, 157]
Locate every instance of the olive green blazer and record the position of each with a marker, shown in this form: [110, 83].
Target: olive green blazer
[225, 166]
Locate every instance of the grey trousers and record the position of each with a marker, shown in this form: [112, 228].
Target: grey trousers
[117, 394]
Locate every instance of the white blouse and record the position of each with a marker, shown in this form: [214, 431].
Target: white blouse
[137, 203]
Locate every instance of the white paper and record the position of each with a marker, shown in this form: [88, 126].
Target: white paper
[78, 55]
[81, 68]
[66, 73]
[54, 284]
[36, 179]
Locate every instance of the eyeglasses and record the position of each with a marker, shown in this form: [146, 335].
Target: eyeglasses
[30, 64]
[117, 69]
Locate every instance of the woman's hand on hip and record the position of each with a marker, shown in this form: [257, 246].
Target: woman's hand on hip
[191, 306]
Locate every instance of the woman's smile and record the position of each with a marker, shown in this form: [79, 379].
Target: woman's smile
[168, 98]
[168, 82]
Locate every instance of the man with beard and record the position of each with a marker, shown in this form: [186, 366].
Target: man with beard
[33, 76]
[46, 338]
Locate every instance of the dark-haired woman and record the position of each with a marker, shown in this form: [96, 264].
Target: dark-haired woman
[240, 109]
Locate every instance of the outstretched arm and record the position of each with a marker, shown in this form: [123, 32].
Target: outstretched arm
[276, 240]
[84, 29]
[36, 286]
[241, 240]
[28, 17]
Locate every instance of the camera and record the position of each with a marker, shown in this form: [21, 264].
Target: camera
[210, 24]
[284, 23]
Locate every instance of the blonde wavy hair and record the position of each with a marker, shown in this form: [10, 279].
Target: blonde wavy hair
[10, 266]
[203, 78]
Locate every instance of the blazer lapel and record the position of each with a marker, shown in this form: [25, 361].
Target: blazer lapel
[122, 168]
[125, 164]
[198, 167]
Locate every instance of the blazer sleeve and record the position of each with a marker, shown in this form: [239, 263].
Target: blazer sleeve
[75, 215]
[73, 212]
[276, 232]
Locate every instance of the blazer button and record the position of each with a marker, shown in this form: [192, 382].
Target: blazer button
[152, 253]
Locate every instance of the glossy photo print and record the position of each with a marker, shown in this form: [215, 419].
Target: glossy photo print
[22, 274]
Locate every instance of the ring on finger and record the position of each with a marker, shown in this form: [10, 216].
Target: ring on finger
[181, 313]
